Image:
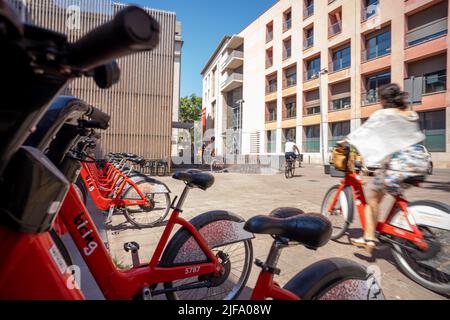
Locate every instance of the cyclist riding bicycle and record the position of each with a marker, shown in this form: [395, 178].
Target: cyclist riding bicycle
[291, 151]
[387, 138]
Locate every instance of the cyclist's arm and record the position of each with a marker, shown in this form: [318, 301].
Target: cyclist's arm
[298, 150]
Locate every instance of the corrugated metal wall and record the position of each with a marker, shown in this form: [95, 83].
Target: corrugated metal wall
[141, 103]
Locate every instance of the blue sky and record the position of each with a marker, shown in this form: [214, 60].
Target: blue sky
[205, 22]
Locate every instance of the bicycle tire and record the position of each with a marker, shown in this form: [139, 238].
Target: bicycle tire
[199, 222]
[348, 196]
[404, 259]
[128, 212]
[335, 279]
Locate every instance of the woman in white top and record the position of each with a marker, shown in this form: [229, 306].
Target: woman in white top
[386, 133]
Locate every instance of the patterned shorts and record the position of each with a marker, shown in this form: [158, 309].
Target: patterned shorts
[391, 182]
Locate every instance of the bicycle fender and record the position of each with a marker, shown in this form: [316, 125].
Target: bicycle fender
[218, 228]
[424, 213]
[335, 279]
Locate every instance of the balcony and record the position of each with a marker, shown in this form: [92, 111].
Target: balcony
[287, 25]
[311, 74]
[369, 11]
[233, 81]
[339, 65]
[370, 97]
[235, 59]
[380, 50]
[340, 104]
[427, 32]
[289, 82]
[335, 29]
[308, 43]
[309, 11]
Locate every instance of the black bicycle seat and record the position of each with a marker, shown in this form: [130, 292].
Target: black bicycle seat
[284, 213]
[311, 230]
[195, 178]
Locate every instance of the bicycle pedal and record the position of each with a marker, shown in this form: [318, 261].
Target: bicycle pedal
[133, 247]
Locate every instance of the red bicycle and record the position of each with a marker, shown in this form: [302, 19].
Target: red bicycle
[330, 279]
[418, 232]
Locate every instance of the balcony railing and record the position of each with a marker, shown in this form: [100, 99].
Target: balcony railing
[310, 74]
[380, 50]
[309, 11]
[340, 104]
[338, 65]
[370, 97]
[287, 25]
[290, 82]
[369, 11]
[311, 145]
[335, 29]
[271, 88]
[434, 83]
[308, 43]
[435, 140]
[269, 36]
[427, 32]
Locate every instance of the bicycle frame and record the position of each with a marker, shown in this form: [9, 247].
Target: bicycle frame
[383, 227]
[100, 199]
[124, 285]
[267, 288]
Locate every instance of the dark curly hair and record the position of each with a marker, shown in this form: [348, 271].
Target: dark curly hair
[393, 97]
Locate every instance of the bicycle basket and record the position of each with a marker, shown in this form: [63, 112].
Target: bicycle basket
[340, 158]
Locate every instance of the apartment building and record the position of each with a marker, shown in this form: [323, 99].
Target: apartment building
[311, 70]
[145, 101]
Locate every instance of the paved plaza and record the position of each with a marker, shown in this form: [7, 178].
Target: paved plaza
[250, 194]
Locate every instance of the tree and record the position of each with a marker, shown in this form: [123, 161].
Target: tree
[190, 108]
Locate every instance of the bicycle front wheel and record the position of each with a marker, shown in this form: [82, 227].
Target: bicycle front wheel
[341, 215]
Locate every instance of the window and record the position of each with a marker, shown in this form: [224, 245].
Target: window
[433, 124]
[335, 23]
[312, 68]
[435, 82]
[338, 131]
[340, 96]
[269, 58]
[287, 25]
[373, 83]
[271, 112]
[308, 9]
[341, 59]
[311, 142]
[290, 108]
[290, 77]
[269, 32]
[309, 38]
[370, 9]
[312, 103]
[271, 142]
[377, 45]
[287, 49]
[272, 84]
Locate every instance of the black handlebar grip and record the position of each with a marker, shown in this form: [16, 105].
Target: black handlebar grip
[131, 30]
[100, 117]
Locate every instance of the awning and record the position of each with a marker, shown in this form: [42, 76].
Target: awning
[182, 125]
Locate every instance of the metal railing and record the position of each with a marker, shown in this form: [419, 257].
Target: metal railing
[338, 65]
[271, 88]
[340, 104]
[434, 83]
[435, 140]
[369, 11]
[381, 49]
[290, 82]
[287, 25]
[335, 28]
[308, 43]
[309, 11]
[370, 97]
[427, 32]
[311, 145]
[310, 74]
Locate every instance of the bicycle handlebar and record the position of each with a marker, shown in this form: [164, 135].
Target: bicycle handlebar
[131, 30]
[100, 119]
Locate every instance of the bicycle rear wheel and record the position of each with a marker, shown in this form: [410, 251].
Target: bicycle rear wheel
[431, 268]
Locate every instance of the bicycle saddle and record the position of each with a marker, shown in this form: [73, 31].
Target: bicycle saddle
[195, 178]
[311, 230]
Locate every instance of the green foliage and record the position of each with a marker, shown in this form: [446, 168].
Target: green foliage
[190, 108]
